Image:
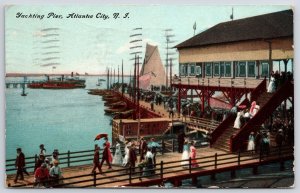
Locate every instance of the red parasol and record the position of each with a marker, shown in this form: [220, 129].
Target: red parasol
[100, 136]
[242, 106]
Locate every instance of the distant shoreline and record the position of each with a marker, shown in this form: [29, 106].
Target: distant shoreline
[42, 74]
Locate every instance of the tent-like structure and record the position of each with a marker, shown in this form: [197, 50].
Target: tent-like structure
[152, 72]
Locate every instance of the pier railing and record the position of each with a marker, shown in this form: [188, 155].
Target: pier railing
[175, 171]
[68, 158]
[218, 82]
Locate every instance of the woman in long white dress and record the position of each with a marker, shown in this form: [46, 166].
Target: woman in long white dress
[118, 159]
[251, 144]
[271, 87]
[185, 155]
[126, 157]
[237, 122]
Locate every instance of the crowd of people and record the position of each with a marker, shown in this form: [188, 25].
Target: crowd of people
[145, 163]
[47, 171]
[245, 114]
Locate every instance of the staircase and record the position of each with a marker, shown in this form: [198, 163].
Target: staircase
[264, 98]
[269, 103]
[224, 140]
[221, 136]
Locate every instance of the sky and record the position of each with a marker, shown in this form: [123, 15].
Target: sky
[92, 44]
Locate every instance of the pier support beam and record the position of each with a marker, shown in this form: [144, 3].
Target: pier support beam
[255, 170]
[194, 181]
[213, 177]
[232, 174]
[177, 183]
[282, 166]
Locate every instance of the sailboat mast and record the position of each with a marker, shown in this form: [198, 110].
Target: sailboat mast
[107, 78]
[122, 79]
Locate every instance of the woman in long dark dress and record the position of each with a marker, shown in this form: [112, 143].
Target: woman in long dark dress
[148, 169]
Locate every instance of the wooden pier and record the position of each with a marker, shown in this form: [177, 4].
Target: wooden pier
[168, 169]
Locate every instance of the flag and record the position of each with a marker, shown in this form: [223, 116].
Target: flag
[145, 81]
[194, 26]
[98, 137]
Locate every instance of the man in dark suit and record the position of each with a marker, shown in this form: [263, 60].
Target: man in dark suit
[105, 156]
[180, 139]
[142, 149]
[96, 160]
[132, 157]
[20, 165]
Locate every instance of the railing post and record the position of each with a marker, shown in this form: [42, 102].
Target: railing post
[35, 158]
[173, 145]
[239, 158]
[260, 154]
[69, 158]
[216, 159]
[161, 169]
[130, 173]
[162, 146]
[94, 175]
[190, 165]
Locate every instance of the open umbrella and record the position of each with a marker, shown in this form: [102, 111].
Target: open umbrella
[100, 136]
[242, 106]
[152, 144]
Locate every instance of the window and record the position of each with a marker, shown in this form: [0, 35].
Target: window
[241, 69]
[198, 70]
[222, 69]
[251, 69]
[182, 70]
[264, 69]
[216, 69]
[192, 69]
[188, 69]
[208, 69]
[228, 69]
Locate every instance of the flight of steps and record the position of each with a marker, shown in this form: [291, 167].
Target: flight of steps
[264, 98]
[223, 141]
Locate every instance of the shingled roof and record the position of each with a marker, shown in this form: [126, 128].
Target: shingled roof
[267, 26]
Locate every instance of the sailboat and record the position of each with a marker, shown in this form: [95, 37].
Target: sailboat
[98, 83]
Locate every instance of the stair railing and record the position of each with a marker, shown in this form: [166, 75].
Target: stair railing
[259, 90]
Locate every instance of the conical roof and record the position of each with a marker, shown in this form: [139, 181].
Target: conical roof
[152, 68]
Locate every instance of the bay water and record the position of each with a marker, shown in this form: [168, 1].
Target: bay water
[66, 119]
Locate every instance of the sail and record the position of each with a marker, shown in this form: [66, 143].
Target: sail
[152, 72]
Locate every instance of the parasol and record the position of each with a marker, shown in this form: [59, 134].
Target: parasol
[122, 138]
[153, 144]
[100, 136]
[242, 106]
